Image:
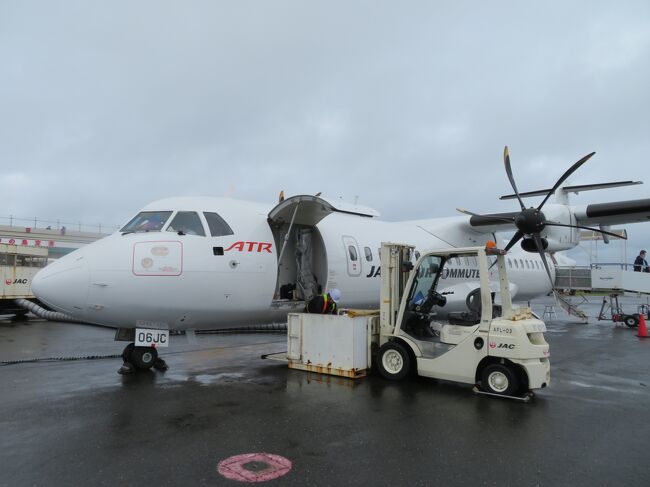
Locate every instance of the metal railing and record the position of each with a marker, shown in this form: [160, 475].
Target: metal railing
[578, 277]
[620, 265]
[58, 225]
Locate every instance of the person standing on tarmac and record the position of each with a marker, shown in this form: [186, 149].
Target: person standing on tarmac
[325, 303]
[640, 264]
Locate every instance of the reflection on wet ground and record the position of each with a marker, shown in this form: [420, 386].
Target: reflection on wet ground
[79, 422]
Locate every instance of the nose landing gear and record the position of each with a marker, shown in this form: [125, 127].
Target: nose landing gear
[141, 358]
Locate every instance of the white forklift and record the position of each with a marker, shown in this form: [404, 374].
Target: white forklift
[471, 337]
[477, 339]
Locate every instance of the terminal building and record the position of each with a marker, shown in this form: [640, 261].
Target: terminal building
[24, 251]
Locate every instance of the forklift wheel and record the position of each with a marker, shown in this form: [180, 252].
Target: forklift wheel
[631, 321]
[499, 379]
[393, 361]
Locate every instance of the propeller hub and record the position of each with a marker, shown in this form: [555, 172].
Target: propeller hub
[530, 220]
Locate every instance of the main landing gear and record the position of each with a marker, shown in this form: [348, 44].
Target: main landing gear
[141, 358]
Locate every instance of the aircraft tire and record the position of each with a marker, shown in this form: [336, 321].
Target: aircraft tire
[499, 379]
[128, 352]
[631, 321]
[393, 361]
[144, 357]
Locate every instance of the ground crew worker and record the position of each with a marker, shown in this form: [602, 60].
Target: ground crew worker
[325, 303]
[640, 264]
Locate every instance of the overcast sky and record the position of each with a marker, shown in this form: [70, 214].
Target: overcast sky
[106, 106]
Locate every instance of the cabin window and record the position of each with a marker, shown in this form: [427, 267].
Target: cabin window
[187, 223]
[147, 221]
[527, 265]
[516, 264]
[521, 263]
[7, 259]
[537, 264]
[353, 253]
[217, 225]
[509, 263]
[368, 252]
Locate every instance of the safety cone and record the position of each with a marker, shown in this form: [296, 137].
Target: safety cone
[643, 329]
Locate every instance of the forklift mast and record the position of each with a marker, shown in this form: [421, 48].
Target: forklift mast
[396, 267]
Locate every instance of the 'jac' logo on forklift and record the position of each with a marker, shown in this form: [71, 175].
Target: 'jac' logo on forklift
[510, 346]
[250, 247]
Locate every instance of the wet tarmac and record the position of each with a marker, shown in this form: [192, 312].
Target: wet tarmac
[66, 423]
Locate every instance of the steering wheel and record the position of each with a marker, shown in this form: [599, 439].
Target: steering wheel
[433, 299]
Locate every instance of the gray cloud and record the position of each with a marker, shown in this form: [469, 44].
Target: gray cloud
[107, 106]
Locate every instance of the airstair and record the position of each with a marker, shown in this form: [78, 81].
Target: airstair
[614, 279]
[571, 308]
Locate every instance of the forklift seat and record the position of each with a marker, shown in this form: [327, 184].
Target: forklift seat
[464, 318]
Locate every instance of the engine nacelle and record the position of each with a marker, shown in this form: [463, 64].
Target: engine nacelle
[556, 239]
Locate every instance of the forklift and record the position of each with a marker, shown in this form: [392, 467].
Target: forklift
[475, 338]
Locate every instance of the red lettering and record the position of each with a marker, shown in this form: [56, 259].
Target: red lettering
[236, 246]
[37, 243]
[50, 243]
[264, 246]
[12, 241]
[251, 246]
[25, 242]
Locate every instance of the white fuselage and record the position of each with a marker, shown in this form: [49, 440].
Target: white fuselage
[163, 279]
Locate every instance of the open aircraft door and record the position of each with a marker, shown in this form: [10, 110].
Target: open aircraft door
[302, 258]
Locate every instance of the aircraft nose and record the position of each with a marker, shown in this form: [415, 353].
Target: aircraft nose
[63, 285]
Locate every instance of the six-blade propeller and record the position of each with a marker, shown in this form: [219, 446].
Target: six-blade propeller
[530, 222]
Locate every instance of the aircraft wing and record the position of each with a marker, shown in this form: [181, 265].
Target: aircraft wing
[616, 213]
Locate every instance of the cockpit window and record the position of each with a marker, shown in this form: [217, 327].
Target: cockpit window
[188, 223]
[147, 221]
[218, 226]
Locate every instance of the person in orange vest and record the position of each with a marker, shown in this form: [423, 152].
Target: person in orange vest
[325, 303]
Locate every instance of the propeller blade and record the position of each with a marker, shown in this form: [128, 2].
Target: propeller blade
[568, 173]
[554, 224]
[515, 238]
[506, 160]
[463, 210]
[540, 249]
[489, 217]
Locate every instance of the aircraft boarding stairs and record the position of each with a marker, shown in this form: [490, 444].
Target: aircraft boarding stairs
[612, 278]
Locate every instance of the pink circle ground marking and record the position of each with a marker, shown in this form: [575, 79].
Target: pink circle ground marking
[235, 467]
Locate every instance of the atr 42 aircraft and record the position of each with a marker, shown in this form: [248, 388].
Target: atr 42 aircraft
[192, 263]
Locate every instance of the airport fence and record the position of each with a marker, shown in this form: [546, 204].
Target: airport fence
[59, 225]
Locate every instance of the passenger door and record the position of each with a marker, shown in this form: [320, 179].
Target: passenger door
[352, 255]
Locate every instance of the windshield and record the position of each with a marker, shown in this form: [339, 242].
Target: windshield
[147, 221]
[186, 223]
[427, 273]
